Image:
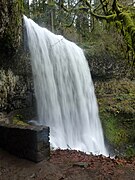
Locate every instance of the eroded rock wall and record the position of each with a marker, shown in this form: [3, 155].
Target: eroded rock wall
[16, 84]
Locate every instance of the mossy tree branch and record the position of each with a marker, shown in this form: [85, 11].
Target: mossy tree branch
[118, 14]
[122, 18]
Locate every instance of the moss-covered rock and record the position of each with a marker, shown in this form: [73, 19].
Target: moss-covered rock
[19, 120]
[116, 100]
[15, 91]
[10, 27]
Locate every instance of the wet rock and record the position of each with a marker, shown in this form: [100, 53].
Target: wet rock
[3, 118]
[81, 164]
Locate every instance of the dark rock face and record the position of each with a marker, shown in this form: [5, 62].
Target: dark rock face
[26, 142]
[105, 65]
[16, 87]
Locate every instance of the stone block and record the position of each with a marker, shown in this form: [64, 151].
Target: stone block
[29, 142]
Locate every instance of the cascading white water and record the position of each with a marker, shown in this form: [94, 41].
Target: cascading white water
[64, 91]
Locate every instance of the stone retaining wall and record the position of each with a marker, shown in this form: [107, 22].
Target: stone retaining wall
[29, 142]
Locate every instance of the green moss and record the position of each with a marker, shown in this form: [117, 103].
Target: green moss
[11, 18]
[130, 151]
[19, 120]
[122, 18]
[20, 123]
[117, 112]
[116, 135]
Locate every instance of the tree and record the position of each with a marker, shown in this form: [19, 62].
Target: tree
[10, 26]
[84, 15]
[122, 16]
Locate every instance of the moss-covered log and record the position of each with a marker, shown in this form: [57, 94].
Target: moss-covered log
[10, 26]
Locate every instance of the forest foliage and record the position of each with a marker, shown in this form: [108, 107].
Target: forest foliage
[117, 112]
[79, 20]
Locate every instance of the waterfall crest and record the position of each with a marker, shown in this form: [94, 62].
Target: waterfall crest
[64, 91]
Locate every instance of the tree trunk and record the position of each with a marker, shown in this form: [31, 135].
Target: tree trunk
[10, 26]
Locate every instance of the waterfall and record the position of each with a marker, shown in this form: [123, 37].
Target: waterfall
[64, 91]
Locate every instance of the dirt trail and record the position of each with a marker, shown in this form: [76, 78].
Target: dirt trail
[66, 165]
